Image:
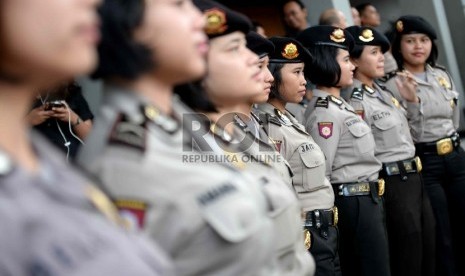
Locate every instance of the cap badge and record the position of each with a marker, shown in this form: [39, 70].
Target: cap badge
[216, 22]
[367, 36]
[338, 36]
[290, 51]
[399, 26]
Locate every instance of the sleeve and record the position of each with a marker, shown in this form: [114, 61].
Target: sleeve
[456, 112]
[80, 105]
[415, 119]
[326, 130]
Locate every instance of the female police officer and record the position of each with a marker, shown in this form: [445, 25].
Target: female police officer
[409, 218]
[206, 216]
[437, 144]
[52, 218]
[348, 144]
[305, 157]
[233, 83]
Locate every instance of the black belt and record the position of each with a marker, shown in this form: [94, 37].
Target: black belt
[321, 218]
[440, 147]
[411, 165]
[359, 188]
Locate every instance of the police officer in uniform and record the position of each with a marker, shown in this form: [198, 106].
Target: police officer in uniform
[235, 81]
[409, 217]
[438, 144]
[54, 221]
[349, 147]
[207, 217]
[303, 154]
[250, 123]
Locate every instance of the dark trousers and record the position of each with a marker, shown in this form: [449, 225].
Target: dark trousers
[363, 247]
[444, 178]
[324, 251]
[410, 225]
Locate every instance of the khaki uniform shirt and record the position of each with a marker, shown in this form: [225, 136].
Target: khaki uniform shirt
[388, 121]
[55, 222]
[439, 104]
[345, 139]
[297, 110]
[255, 158]
[303, 154]
[205, 215]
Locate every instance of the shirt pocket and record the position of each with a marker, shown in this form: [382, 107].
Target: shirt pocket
[313, 170]
[364, 142]
[385, 132]
[234, 215]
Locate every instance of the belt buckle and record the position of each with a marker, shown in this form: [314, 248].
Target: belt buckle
[335, 215]
[381, 185]
[418, 164]
[444, 146]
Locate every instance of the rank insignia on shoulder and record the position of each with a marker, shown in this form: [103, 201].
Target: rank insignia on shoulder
[132, 211]
[360, 113]
[368, 89]
[335, 100]
[322, 102]
[127, 133]
[357, 94]
[325, 129]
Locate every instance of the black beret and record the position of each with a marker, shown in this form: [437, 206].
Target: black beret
[222, 20]
[368, 36]
[408, 24]
[288, 50]
[258, 44]
[326, 35]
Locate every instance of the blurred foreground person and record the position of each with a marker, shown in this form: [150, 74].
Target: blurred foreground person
[206, 216]
[54, 221]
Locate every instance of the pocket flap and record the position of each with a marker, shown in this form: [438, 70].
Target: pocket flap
[384, 123]
[357, 127]
[313, 158]
[232, 213]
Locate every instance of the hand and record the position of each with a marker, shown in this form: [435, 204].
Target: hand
[62, 114]
[38, 115]
[407, 86]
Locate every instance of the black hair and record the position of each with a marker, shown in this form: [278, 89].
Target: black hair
[395, 49]
[324, 69]
[275, 69]
[194, 96]
[356, 51]
[361, 7]
[119, 54]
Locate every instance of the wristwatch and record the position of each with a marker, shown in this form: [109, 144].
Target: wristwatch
[78, 121]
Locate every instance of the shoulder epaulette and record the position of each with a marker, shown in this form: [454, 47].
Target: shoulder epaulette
[335, 100]
[129, 133]
[440, 67]
[368, 89]
[256, 118]
[357, 93]
[388, 76]
[322, 102]
[442, 81]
